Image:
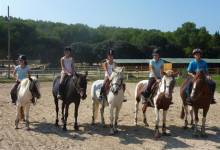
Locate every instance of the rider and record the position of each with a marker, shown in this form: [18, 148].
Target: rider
[68, 69]
[109, 65]
[156, 66]
[198, 64]
[20, 72]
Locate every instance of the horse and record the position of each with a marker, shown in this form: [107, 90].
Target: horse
[201, 96]
[28, 88]
[95, 94]
[115, 97]
[75, 89]
[161, 99]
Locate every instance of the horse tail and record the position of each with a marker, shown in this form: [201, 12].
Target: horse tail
[182, 115]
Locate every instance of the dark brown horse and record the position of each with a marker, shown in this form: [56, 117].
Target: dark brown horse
[75, 89]
[201, 96]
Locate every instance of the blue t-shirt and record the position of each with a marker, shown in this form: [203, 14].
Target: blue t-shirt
[156, 65]
[196, 66]
[21, 72]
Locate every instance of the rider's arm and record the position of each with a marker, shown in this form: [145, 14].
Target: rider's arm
[15, 75]
[62, 64]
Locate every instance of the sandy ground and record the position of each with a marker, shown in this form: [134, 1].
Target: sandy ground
[44, 135]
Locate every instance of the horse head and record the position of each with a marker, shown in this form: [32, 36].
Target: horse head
[168, 82]
[116, 80]
[81, 84]
[35, 86]
[200, 85]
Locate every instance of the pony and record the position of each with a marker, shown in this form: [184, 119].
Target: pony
[161, 99]
[201, 96]
[75, 89]
[28, 88]
[114, 100]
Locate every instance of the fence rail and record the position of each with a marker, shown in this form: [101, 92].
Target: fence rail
[96, 72]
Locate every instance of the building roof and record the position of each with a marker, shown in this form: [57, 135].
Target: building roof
[167, 60]
[132, 61]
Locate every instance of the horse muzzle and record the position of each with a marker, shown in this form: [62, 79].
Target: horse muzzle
[83, 95]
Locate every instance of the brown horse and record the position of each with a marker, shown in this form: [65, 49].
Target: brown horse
[161, 99]
[201, 96]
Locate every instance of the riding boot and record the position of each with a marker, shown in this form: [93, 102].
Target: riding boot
[213, 101]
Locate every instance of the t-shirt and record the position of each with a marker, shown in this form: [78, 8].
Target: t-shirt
[156, 65]
[196, 66]
[21, 72]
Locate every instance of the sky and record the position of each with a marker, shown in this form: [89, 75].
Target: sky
[165, 15]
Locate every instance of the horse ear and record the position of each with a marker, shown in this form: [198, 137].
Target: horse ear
[37, 76]
[164, 73]
[30, 78]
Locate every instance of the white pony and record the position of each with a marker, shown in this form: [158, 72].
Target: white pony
[161, 100]
[115, 98]
[29, 87]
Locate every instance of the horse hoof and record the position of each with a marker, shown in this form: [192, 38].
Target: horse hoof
[111, 132]
[157, 136]
[196, 135]
[16, 128]
[166, 134]
[193, 127]
[28, 128]
[204, 135]
[146, 125]
[185, 127]
[76, 128]
[64, 129]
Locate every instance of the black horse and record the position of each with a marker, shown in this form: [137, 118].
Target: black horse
[74, 90]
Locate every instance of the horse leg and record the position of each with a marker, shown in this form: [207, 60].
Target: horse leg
[95, 107]
[57, 111]
[17, 116]
[186, 117]
[205, 111]
[157, 132]
[111, 119]
[27, 123]
[144, 108]
[196, 121]
[116, 118]
[102, 109]
[136, 112]
[191, 114]
[76, 127]
[63, 107]
[65, 116]
[164, 123]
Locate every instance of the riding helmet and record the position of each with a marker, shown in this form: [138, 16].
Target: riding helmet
[197, 50]
[22, 57]
[156, 52]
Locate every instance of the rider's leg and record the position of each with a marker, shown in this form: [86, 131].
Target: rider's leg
[147, 92]
[188, 92]
[14, 92]
[60, 91]
[102, 91]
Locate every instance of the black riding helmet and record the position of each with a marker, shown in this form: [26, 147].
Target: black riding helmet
[156, 51]
[197, 50]
[22, 57]
[67, 49]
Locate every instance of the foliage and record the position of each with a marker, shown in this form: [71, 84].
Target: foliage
[46, 40]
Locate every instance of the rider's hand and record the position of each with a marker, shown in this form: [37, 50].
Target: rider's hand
[209, 77]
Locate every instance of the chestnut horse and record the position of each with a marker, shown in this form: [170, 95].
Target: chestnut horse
[201, 96]
[161, 99]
